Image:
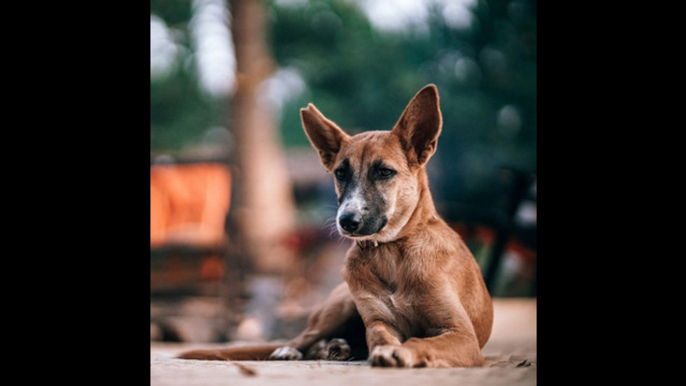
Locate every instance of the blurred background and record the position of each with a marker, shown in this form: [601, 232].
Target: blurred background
[242, 236]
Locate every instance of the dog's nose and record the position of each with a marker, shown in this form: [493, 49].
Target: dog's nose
[350, 222]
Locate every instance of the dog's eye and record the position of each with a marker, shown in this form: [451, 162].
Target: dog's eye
[386, 173]
[340, 173]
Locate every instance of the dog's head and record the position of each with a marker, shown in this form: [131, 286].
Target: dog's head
[377, 173]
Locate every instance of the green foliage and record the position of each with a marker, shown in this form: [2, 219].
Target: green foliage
[180, 111]
[362, 79]
[173, 12]
[354, 75]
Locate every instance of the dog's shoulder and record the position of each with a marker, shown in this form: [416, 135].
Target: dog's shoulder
[435, 237]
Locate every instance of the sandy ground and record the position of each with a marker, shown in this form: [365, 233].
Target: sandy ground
[510, 360]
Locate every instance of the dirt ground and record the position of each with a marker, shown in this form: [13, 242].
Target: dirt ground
[510, 360]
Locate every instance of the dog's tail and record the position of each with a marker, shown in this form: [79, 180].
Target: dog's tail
[248, 353]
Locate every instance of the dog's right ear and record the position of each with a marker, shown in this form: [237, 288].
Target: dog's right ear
[324, 135]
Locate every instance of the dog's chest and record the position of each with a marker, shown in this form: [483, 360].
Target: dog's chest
[399, 308]
[397, 300]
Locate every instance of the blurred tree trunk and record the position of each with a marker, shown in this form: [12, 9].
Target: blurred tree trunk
[264, 205]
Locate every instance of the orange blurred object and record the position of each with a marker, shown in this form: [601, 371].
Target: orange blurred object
[189, 204]
[212, 268]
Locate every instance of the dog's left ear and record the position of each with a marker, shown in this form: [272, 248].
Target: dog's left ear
[420, 125]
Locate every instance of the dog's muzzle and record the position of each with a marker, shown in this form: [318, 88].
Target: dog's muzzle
[355, 225]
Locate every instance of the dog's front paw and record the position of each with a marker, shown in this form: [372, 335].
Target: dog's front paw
[286, 353]
[392, 356]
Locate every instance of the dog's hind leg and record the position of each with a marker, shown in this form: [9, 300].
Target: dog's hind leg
[336, 317]
[328, 321]
[336, 349]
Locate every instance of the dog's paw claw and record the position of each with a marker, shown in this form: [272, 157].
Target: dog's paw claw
[286, 353]
[391, 356]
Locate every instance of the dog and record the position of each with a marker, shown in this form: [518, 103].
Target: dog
[413, 294]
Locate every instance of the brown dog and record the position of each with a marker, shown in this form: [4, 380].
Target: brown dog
[413, 294]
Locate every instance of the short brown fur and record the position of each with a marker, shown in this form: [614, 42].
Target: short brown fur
[413, 283]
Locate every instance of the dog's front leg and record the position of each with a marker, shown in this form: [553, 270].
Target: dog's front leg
[380, 333]
[452, 341]
[383, 337]
[383, 334]
[450, 349]
[384, 341]
[385, 347]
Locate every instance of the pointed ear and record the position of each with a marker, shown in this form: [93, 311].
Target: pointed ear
[324, 135]
[420, 125]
